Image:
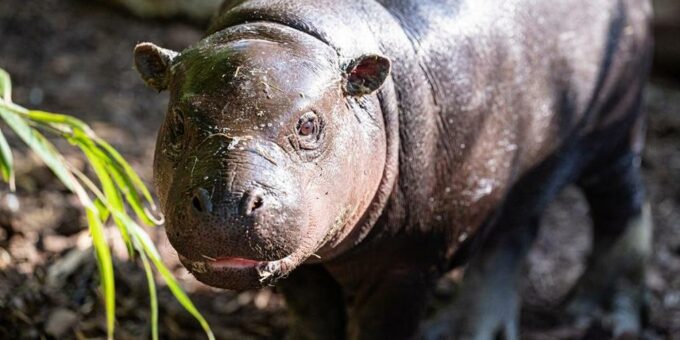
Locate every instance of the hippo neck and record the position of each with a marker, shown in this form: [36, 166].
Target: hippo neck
[323, 23]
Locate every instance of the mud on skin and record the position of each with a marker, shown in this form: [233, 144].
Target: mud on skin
[354, 152]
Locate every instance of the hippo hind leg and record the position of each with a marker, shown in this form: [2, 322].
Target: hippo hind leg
[611, 290]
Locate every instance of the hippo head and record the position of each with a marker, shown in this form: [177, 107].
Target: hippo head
[272, 149]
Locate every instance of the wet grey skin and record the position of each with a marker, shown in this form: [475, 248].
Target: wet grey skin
[353, 152]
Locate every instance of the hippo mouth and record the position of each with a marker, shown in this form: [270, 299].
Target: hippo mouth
[232, 263]
[226, 264]
[237, 273]
[233, 272]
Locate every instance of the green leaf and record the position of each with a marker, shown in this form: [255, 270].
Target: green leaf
[145, 245]
[130, 176]
[132, 197]
[103, 212]
[174, 286]
[105, 265]
[6, 162]
[46, 151]
[5, 86]
[112, 194]
[119, 184]
[153, 299]
[55, 118]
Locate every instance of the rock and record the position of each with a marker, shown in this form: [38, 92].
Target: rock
[60, 321]
[5, 259]
[65, 266]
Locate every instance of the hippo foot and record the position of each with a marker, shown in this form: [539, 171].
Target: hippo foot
[611, 294]
[616, 308]
[621, 317]
[502, 323]
[488, 304]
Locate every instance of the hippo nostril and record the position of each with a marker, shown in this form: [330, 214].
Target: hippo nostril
[252, 201]
[197, 204]
[257, 203]
[201, 201]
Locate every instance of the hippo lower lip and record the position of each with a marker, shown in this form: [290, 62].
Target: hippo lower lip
[220, 264]
[233, 263]
[240, 273]
[236, 273]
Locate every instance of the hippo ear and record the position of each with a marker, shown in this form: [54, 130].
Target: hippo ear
[153, 64]
[366, 74]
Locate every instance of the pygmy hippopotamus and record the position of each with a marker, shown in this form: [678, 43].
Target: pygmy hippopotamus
[353, 152]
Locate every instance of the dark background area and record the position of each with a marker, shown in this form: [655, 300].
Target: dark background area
[75, 57]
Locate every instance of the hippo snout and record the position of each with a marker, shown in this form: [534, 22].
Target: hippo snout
[246, 222]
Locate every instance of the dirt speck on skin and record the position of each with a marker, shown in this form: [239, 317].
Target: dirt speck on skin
[75, 57]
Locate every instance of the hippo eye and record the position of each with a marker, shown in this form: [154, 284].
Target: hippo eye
[309, 131]
[307, 128]
[308, 125]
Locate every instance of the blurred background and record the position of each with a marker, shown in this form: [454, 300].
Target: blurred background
[75, 57]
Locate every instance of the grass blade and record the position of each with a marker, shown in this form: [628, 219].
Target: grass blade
[136, 182]
[5, 86]
[145, 246]
[105, 265]
[6, 162]
[153, 298]
[46, 151]
[56, 118]
[113, 196]
[103, 212]
[173, 285]
[119, 184]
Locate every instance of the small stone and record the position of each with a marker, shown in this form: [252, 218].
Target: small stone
[60, 321]
[5, 259]
[11, 201]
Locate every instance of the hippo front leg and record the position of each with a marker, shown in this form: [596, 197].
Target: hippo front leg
[389, 306]
[316, 304]
[488, 304]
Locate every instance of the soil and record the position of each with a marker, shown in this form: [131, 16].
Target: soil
[75, 57]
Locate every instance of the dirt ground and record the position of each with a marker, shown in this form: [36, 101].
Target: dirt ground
[75, 57]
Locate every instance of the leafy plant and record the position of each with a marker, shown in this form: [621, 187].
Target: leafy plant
[119, 187]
